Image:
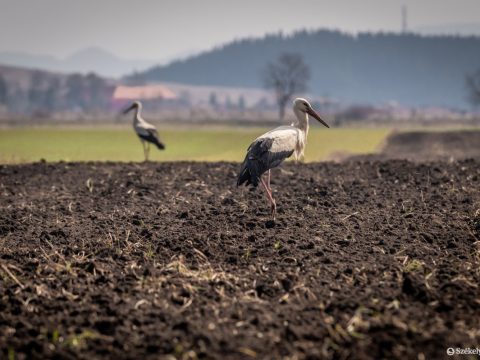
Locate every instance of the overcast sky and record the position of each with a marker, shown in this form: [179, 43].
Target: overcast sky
[161, 29]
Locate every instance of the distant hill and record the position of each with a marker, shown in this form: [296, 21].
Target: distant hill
[368, 68]
[87, 60]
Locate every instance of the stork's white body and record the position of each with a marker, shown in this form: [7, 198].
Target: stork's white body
[288, 138]
[140, 126]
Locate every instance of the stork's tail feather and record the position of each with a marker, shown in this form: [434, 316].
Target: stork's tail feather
[247, 174]
[160, 145]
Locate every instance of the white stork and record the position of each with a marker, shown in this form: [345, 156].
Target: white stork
[145, 131]
[272, 148]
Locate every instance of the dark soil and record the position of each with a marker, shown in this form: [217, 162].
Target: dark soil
[365, 260]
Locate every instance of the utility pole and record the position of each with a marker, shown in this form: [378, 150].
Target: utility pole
[404, 19]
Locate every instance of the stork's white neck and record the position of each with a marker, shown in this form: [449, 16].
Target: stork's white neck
[138, 112]
[302, 125]
[302, 121]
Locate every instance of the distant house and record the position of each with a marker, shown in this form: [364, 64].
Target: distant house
[122, 95]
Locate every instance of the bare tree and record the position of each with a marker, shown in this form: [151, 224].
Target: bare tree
[98, 96]
[76, 92]
[287, 76]
[473, 87]
[52, 94]
[36, 92]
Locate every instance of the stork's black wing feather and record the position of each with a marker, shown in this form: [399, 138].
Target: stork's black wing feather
[152, 137]
[260, 159]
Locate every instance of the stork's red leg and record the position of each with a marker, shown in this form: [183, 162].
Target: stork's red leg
[148, 150]
[269, 175]
[144, 151]
[273, 205]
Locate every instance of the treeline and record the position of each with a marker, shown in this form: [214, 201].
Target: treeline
[41, 93]
[371, 68]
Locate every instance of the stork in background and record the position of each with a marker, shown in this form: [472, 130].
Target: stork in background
[272, 148]
[147, 133]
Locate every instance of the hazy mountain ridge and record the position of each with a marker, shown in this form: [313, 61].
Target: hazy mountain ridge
[87, 60]
[368, 68]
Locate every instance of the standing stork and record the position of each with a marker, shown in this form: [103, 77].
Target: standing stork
[145, 131]
[272, 148]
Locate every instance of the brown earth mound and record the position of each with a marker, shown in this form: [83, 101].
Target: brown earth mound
[366, 260]
[428, 146]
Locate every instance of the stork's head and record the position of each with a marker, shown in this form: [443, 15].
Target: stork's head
[135, 105]
[302, 105]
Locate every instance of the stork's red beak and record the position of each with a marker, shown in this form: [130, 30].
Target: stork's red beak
[312, 112]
